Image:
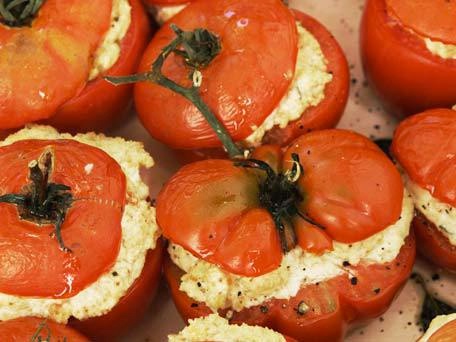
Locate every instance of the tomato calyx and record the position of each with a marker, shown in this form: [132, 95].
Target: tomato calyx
[280, 196]
[41, 201]
[16, 13]
[432, 306]
[39, 331]
[198, 48]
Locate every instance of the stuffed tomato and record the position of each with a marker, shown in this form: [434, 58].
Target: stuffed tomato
[304, 242]
[52, 63]
[36, 330]
[163, 10]
[275, 74]
[79, 240]
[442, 329]
[216, 328]
[408, 49]
[424, 146]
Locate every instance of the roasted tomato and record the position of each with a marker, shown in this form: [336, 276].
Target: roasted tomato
[442, 329]
[48, 63]
[77, 239]
[248, 77]
[425, 147]
[36, 329]
[163, 10]
[408, 57]
[240, 230]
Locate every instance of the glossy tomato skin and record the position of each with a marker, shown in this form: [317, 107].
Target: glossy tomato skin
[329, 111]
[23, 329]
[404, 73]
[132, 307]
[336, 302]
[100, 105]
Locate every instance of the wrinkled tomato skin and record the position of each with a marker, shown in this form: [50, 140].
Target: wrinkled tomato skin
[341, 303]
[405, 74]
[329, 111]
[23, 329]
[132, 307]
[433, 245]
[101, 105]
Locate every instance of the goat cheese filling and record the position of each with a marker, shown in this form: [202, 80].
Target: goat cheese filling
[139, 234]
[307, 88]
[109, 50]
[216, 328]
[446, 51]
[218, 289]
[441, 214]
[162, 14]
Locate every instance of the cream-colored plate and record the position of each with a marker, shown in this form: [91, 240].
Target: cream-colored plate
[364, 114]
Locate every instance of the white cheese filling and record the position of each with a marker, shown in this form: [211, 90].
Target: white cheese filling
[307, 88]
[139, 234]
[441, 214]
[108, 52]
[436, 324]
[446, 51]
[216, 328]
[206, 282]
[162, 14]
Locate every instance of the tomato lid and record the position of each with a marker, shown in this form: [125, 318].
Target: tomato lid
[432, 19]
[37, 329]
[425, 146]
[32, 263]
[242, 85]
[47, 63]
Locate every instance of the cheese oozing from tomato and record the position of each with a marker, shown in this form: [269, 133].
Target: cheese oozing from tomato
[219, 289]
[162, 14]
[446, 51]
[139, 235]
[437, 323]
[216, 328]
[441, 214]
[307, 88]
[108, 51]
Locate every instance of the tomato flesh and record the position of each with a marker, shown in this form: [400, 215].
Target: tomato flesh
[240, 97]
[437, 24]
[23, 329]
[31, 261]
[425, 146]
[46, 64]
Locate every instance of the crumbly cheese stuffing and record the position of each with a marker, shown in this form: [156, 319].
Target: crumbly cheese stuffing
[306, 89]
[216, 328]
[446, 51]
[441, 214]
[139, 234]
[108, 52]
[162, 14]
[436, 324]
[206, 282]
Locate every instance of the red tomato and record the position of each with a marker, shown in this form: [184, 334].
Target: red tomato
[405, 74]
[245, 82]
[332, 304]
[446, 333]
[166, 2]
[24, 329]
[99, 199]
[349, 187]
[425, 145]
[58, 90]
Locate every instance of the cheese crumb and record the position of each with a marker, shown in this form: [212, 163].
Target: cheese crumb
[307, 88]
[216, 328]
[139, 234]
[446, 51]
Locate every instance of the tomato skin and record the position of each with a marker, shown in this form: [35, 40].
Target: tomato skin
[239, 97]
[132, 307]
[166, 2]
[406, 76]
[446, 333]
[329, 111]
[101, 105]
[433, 245]
[340, 302]
[23, 329]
